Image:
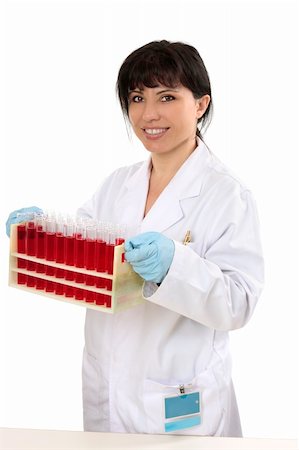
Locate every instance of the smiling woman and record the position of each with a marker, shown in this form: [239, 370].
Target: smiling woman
[165, 365]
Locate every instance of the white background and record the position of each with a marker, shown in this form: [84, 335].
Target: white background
[65, 132]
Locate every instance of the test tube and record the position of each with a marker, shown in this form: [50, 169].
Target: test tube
[100, 249]
[59, 243]
[89, 296]
[40, 242]
[31, 281]
[31, 243]
[31, 238]
[22, 278]
[69, 243]
[21, 248]
[50, 239]
[69, 291]
[50, 244]
[100, 254]
[50, 286]
[69, 275]
[120, 234]
[21, 236]
[100, 299]
[59, 289]
[79, 252]
[109, 253]
[40, 284]
[79, 294]
[90, 247]
[59, 248]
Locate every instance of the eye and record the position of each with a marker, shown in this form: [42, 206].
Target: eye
[167, 98]
[135, 99]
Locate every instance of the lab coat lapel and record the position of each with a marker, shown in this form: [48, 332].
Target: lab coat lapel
[132, 202]
[167, 210]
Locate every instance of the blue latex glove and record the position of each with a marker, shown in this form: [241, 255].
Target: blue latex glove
[150, 255]
[13, 217]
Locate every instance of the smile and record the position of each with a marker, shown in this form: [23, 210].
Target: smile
[155, 130]
[154, 133]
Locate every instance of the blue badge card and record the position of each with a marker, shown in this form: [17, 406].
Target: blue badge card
[185, 409]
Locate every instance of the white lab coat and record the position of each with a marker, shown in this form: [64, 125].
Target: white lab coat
[180, 334]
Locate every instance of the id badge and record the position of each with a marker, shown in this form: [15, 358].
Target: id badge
[182, 411]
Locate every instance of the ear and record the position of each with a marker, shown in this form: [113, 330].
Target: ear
[201, 105]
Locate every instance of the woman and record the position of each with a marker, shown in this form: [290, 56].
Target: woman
[165, 366]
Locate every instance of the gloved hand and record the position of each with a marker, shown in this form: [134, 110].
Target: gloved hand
[14, 218]
[150, 254]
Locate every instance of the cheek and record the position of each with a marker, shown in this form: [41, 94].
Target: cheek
[134, 115]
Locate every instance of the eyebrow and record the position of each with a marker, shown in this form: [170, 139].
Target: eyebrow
[157, 93]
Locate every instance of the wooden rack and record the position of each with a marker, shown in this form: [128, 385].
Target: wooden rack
[126, 288]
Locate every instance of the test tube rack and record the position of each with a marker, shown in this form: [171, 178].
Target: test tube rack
[126, 285]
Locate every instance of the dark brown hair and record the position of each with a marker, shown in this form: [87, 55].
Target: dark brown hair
[169, 64]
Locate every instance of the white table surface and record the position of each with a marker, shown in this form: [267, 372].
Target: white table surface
[27, 439]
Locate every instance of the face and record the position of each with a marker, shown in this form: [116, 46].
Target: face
[165, 119]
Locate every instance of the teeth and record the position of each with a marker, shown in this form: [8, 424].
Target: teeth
[155, 130]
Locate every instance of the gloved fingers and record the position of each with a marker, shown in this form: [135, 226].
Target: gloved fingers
[141, 239]
[140, 254]
[30, 209]
[148, 274]
[20, 215]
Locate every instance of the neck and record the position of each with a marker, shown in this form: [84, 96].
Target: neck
[165, 165]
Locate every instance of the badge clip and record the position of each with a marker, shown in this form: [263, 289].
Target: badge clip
[182, 389]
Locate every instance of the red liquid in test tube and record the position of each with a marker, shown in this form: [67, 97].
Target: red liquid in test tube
[21, 235]
[59, 289]
[60, 241]
[50, 240]
[100, 282]
[100, 255]
[40, 284]
[69, 275]
[89, 296]
[79, 294]
[50, 286]
[22, 278]
[50, 270]
[90, 254]
[109, 257]
[100, 299]
[31, 281]
[31, 244]
[69, 250]
[40, 243]
[59, 249]
[31, 239]
[80, 246]
[21, 247]
[69, 242]
[69, 291]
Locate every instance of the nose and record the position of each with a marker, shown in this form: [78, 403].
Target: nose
[150, 112]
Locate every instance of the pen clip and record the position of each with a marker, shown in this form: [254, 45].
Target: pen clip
[187, 238]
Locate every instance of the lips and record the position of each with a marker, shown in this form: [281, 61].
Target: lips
[154, 133]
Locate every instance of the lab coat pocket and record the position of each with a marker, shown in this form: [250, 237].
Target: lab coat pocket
[211, 410]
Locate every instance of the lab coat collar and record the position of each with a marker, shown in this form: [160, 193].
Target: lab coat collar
[167, 210]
